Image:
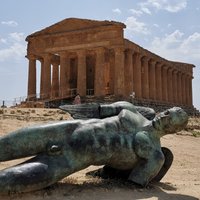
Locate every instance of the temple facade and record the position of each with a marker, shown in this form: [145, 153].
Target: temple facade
[92, 58]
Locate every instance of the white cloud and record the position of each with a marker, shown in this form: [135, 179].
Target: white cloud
[177, 46]
[168, 5]
[10, 23]
[191, 46]
[18, 37]
[183, 48]
[15, 47]
[117, 10]
[136, 12]
[14, 52]
[156, 25]
[146, 10]
[141, 11]
[169, 25]
[3, 40]
[136, 26]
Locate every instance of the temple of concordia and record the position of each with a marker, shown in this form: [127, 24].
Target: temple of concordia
[93, 59]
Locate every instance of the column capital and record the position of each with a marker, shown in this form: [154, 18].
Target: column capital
[131, 51]
[137, 55]
[175, 71]
[31, 57]
[152, 61]
[171, 69]
[159, 64]
[63, 53]
[46, 56]
[166, 67]
[55, 60]
[81, 52]
[144, 58]
[119, 49]
[99, 50]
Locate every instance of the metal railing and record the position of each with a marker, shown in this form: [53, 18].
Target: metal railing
[90, 92]
[43, 97]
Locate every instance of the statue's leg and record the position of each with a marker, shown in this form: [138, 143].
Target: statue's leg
[34, 174]
[167, 164]
[146, 169]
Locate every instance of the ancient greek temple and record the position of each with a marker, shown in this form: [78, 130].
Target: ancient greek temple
[92, 58]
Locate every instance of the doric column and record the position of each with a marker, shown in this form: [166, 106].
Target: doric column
[64, 74]
[42, 75]
[55, 80]
[190, 91]
[47, 75]
[112, 71]
[179, 87]
[145, 77]
[164, 83]
[183, 89]
[159, 81]
[99, 82]
[175, 86]
[152, 80]
[81, 74]
[137, 77]
[128, 74]
[32, 78]
[170, 89]
[119, 71]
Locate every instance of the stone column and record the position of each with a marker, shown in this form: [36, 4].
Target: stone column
[190, 91]
[112, 71]
[170, 89]
[145, 77]
[99, 82]
[186, 90]
[55, 80]
[179, 88]
[175, 90]
[159, 81]
[137, 77]
[81, 76]
[183, 89]
[128, 74]
[152, 80]
[47, 76]
[32, 78]
[64, 74]
[164, 83]
[42, 77]
[119, 71]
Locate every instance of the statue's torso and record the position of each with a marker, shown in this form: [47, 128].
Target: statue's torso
[109, 141]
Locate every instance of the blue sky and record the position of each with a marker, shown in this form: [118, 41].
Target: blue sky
[169, 28]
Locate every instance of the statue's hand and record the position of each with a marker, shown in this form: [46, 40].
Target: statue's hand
[82, 111]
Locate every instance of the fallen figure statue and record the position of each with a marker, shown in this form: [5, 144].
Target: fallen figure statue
[123, 140]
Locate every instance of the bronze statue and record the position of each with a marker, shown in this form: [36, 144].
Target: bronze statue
[124, 141]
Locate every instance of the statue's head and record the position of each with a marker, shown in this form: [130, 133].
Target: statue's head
[170, 121]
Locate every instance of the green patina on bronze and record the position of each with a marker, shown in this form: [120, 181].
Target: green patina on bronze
[124, 139]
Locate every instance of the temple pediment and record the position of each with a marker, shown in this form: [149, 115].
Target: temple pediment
[74, 24]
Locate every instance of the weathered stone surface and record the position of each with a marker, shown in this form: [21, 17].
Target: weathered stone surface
[93, 58]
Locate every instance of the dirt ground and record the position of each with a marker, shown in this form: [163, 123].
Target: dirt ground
[181, 182]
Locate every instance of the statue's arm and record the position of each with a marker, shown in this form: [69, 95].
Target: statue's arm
[150, 161]
[96, 110]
